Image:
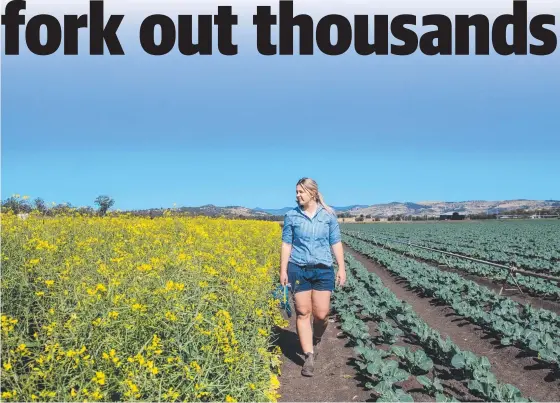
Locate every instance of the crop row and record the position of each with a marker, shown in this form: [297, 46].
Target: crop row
[365, 298]
[484, 251]
[526, 240]
[537, 285]
[533, 330]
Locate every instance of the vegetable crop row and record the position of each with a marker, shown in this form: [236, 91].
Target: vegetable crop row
[544, 263]
[534, 330]
[529, 239]
[537, 285]
[365, 295]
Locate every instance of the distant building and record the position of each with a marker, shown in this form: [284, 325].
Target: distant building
[452, 216]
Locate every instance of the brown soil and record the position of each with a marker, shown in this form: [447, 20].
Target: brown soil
[451, 386]
[334, 380]
[337, 378]
[514, 294]
[509, 364]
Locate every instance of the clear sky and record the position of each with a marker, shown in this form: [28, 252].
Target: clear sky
[152, 131]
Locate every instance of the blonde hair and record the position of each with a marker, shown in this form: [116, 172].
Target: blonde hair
[312, 188]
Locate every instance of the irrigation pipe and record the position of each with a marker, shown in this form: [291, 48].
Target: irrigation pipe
[510, 269]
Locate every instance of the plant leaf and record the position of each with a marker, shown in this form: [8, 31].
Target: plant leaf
[424, 381]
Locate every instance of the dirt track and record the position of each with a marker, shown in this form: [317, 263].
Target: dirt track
[336, 378]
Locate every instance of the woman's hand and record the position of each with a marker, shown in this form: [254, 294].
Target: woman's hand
[284, 257]
[341, 276]
[283, 278]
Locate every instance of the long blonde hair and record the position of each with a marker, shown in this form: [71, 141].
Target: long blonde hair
[311, 186]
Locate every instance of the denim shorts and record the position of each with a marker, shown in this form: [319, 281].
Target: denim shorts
[310, 278]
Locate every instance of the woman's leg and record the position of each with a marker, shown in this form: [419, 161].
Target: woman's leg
[303, 307]
[321, 300]
[321, 306]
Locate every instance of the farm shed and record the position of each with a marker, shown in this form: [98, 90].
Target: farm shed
[452, 216]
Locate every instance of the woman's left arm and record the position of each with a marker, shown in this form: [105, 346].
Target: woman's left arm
[336, 245]
[339, 255]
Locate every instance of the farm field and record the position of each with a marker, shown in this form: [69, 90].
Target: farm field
[531, 245]
[113, 309]
[182, 309]
[402, 348]
[393, 288]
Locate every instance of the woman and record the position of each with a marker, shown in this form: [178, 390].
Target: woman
[310, 231]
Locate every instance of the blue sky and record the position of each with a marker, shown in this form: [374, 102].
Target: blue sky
[153, 131]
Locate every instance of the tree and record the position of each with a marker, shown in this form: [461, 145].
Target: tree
[17, 205]
[104, 203]
[40, 205]
[86, 211]
[62, 209]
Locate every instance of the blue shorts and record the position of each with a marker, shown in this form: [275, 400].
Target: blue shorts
[310, 278]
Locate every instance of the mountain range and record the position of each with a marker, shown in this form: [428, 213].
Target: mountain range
[471, 207]
[434, 208]
[421, 208]
[284, 210]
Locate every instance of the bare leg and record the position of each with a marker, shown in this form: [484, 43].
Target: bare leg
[303, 307]
[321, 307]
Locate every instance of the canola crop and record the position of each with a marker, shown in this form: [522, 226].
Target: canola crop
[127, 308]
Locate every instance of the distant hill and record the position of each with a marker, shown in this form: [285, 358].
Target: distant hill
[209, 210]
[280, 211]
[349, 208]
[284, 210]
[463, 207]
[424, 208]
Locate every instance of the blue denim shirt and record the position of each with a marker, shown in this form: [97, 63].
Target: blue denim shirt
[311, 238]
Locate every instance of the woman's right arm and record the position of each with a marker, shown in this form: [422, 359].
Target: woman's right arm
[284, 256]
[287, 238]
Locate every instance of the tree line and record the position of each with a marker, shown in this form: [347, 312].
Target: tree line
[22, 205]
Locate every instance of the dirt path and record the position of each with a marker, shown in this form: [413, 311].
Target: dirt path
[335, 380]
[509, 364]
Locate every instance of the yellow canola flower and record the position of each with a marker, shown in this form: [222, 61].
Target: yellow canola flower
[9, 394]
[99, 378]
[208, 280]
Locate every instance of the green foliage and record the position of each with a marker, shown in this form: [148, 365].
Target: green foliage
[534, 330]
[387, 368]
[104, 203]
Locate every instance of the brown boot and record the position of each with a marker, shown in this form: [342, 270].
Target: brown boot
[316, 342]
[308, 365]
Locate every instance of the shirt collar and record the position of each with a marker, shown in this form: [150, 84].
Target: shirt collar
[319, 208]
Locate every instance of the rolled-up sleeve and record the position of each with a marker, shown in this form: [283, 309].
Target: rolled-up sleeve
[287, 230]
[334, 231]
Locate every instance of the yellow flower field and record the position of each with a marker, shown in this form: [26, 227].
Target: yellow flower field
[126, 308]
